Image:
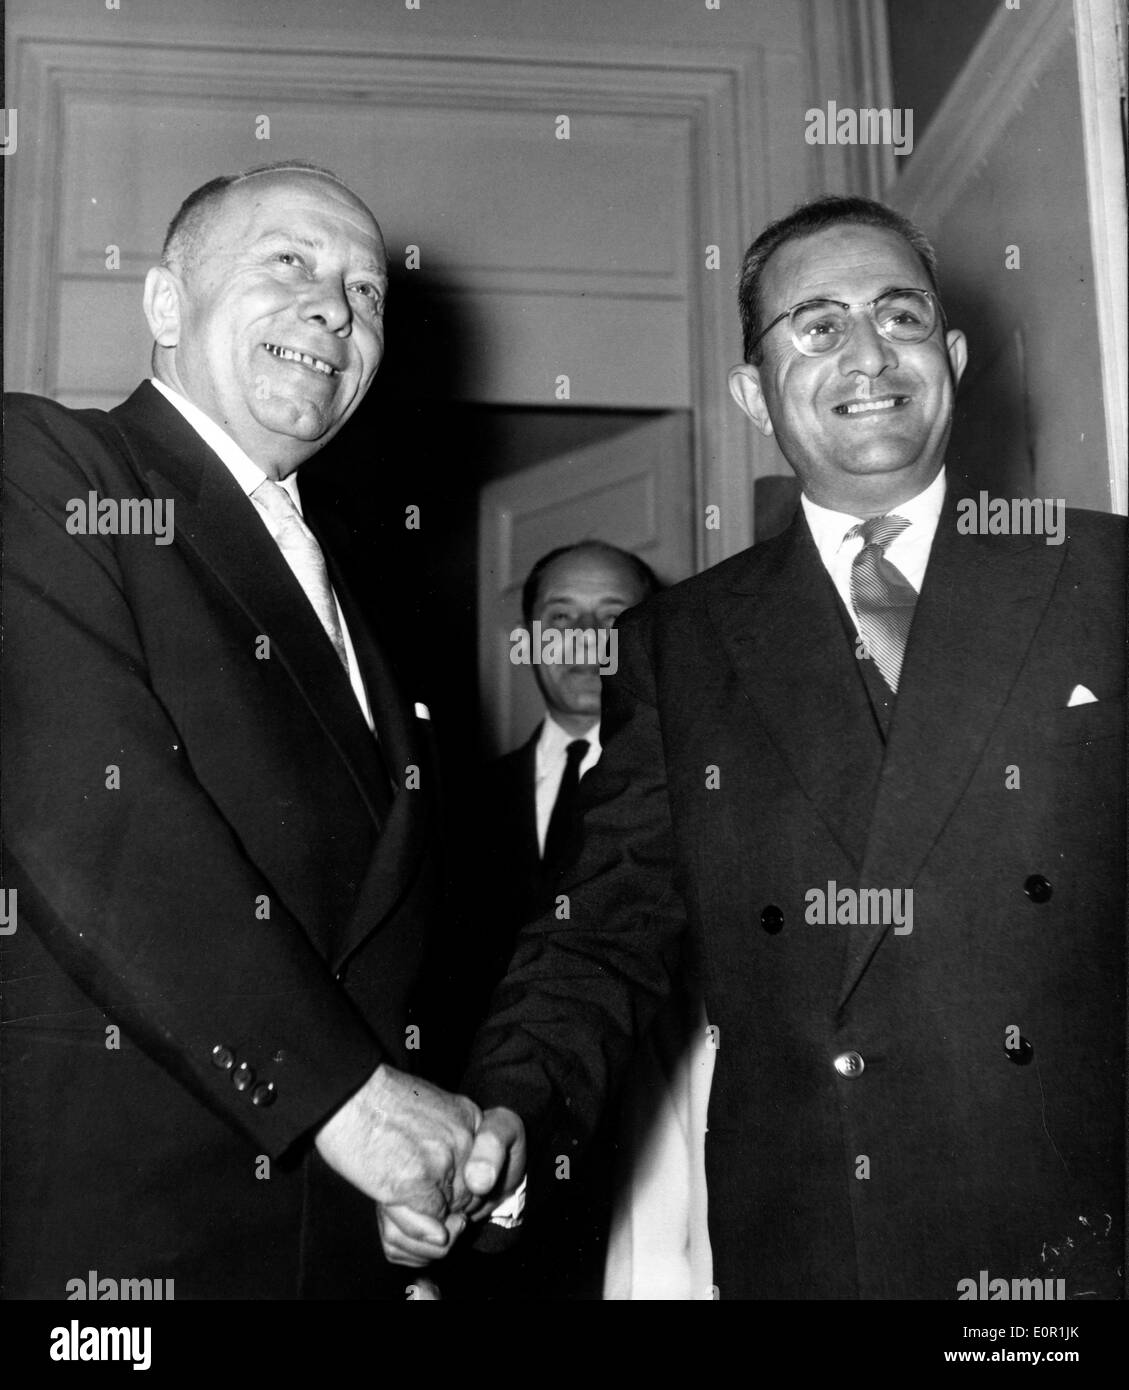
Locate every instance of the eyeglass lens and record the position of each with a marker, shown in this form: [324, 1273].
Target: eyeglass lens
[904, 316]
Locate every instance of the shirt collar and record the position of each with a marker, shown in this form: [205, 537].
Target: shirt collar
[829, 528]
[554, 740]
[244, 470]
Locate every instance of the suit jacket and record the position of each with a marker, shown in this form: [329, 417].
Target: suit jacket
[511, 830]
[744, 766]
[223, 880]
[563, 1258]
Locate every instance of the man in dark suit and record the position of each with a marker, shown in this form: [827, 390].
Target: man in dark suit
[219, 801]
[901, 862]
[531, 793]
[527, 820]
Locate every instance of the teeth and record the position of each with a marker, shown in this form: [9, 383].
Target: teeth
[289, 355]
[862, 407]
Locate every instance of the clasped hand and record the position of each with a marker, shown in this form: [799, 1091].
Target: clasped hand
[430, 1160]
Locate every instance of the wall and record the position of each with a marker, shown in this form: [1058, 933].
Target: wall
[930, 41]
[539, 258]
[1002, 166]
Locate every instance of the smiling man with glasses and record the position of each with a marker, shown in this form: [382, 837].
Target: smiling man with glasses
[872, 703]
[855, 371]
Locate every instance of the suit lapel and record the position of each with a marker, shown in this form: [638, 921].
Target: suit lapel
[216, 520]
[525, 802]
[402, 746]
[779, 625]
[981, 602]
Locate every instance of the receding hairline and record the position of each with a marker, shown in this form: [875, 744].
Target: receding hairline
[825, 213]
[794, 243]
[534, 585]
[604, 550]
[285, 171]
[199, 210]
[295, 167]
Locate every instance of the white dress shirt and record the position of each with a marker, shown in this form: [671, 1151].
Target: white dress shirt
[249, 476]
[552, 755]
[908, 553]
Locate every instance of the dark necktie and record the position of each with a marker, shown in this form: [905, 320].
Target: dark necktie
[564, 823]
[882, 596]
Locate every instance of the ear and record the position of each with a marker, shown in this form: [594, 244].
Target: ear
[745, 388]
[956, 344]
[162, 306]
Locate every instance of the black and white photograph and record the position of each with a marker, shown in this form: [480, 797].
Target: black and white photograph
[563, 667]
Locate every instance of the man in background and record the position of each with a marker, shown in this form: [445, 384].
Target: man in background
[527, 828]
[533, 792]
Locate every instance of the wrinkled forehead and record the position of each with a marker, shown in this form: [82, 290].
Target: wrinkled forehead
[845, 261]
[297, 201]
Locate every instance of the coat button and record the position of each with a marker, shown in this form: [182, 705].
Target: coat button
[849, 1064]
[1022, 1054]
[243, 1076]
[772, 919]
[223, 1057]
[264, 1095]
[1037, 888]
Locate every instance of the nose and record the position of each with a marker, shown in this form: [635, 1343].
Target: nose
[866, 350]
[326, 302]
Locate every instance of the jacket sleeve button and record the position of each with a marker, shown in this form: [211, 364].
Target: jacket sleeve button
[243, 1077]
[223, 1057]
[850, 1064]
[264, 1095]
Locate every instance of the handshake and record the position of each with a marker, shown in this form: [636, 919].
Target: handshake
[432, 1162]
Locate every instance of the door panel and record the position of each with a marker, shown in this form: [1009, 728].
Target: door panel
[633, 490]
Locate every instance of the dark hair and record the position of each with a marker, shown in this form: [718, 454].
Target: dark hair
[648, 580]
[185, 235]
[806, 220]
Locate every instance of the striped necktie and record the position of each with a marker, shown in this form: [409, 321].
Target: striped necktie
[883, 597]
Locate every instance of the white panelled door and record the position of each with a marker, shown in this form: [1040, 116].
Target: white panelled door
[633, 490]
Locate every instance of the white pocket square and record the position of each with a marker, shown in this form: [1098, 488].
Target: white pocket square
[422, 712]
[1081, 696]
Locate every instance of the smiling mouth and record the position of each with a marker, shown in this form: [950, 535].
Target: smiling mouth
[304, 359]
[870, 407]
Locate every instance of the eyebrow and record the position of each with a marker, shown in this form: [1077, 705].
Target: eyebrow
[316, 244]
[569, 598]
[834, 299]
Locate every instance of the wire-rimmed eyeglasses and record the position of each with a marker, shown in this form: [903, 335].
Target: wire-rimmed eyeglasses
[822, 325]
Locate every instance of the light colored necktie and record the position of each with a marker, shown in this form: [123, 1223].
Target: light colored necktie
[303, 554]
[883, 597]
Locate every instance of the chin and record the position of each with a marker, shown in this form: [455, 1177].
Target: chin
[881, 463]
[586, 705]
[301, 422]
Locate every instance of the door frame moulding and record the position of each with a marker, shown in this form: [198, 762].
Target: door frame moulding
[993, 86]
[1101, 83]
[988, 92]
[732, 105]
